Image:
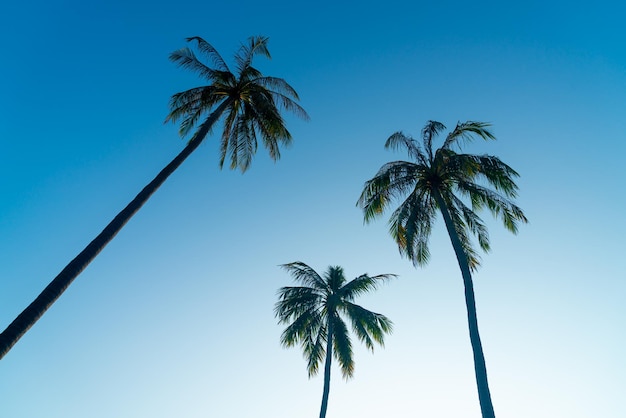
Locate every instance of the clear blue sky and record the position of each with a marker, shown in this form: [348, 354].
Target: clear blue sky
[175, 317]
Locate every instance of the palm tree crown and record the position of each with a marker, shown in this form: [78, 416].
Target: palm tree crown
[248, 100]
[438, 180]
[315, 311]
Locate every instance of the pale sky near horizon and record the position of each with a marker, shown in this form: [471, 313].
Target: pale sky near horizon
[175, 317]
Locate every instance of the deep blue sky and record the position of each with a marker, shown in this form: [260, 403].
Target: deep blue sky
[175, 317]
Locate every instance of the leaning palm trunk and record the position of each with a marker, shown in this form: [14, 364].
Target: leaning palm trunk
[480, 368]
[329, 356]
[25, 320]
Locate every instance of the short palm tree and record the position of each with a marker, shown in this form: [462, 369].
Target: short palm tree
[440, 180]
[249, 104]
[315, 314]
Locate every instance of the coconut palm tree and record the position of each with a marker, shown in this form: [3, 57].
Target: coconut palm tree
[249, 104]
[444, 180]
[315, 313]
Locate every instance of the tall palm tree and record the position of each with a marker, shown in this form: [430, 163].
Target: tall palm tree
[249, 104]
[440, 180]
[314, 313]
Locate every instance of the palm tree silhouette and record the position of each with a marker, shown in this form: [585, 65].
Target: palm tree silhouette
[314, 313]
[437, 180]
[250, 105]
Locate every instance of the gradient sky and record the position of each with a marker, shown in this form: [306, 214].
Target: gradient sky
[175, 317]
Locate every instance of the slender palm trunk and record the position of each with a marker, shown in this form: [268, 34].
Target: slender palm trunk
[480, 368]
[329, 356]
[20, 325]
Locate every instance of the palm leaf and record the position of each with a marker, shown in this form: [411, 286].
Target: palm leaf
[256, 45]
[498, 205]
[295, 301]
[460, 227]
[367, 325]
[314, 350]
[363, 284]
[429, 132]
[186, 58]
[211, 52]
[466, 131]
[334, 279]
[305, 275]
[399, 139]
[497, 174]
[474, 223]
[300, 328]
[392, 180]
[342, 347]
[410, 226]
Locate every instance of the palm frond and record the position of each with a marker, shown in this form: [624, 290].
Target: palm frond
[473, 259]
[363, 284]
[498, 205]
[186, 58]
[314, 351]
[189, 121]
[474, 223]
[277, 86]
[466, 131]
[296, 301]
[410, 226]
[342, 347]
[211, 52]
[245, 144]
[306, 275]
[266, 119]
[399, 139]
[369, 326]
[392, 180]
[249, 75]
[256, 45]
[308, 329]
[286, 100]
[334, 278]
[497, 174]
[266, 102]
[185, 102]
[456, 167]
[300, 328]
[226, 146]
[429, 132]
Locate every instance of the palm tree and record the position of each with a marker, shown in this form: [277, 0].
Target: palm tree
[250, 105]
[438, 180]
[314, 313]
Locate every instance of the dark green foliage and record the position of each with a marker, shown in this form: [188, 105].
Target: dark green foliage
[451, 174]
[315, 313]
[322, 300]
[254, 101]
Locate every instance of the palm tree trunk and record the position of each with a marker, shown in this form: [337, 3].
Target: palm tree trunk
[329, 356]
[480, 368]
[25, 320]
